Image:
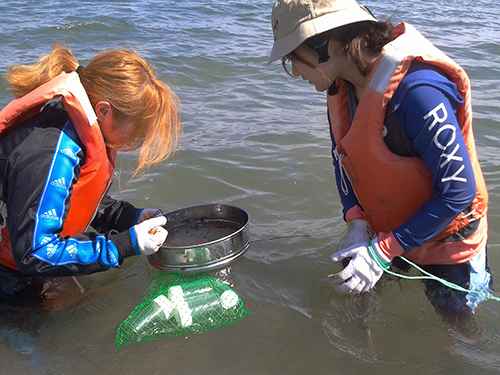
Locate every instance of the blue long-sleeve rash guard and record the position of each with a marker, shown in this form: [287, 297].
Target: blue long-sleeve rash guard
[425, 104]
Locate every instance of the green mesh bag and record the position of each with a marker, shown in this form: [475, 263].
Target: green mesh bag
[187, 307]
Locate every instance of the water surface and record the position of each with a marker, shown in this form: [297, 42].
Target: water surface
[257, 139]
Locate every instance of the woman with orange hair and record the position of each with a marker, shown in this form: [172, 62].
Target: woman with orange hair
[58, 144]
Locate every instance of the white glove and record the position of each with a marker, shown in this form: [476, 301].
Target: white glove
[148, 213]
[150, 235]
[357, 232]
[363, 270]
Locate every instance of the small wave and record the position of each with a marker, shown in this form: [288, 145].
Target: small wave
[78, 24]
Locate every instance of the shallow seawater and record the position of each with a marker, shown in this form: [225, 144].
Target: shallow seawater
[257, 139]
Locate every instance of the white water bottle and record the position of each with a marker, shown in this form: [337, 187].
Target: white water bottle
[157, 312]
[202, 307]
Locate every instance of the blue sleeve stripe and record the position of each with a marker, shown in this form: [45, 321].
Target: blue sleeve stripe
[51, 209]
[60, 253]
[137, 215]
[134, 240]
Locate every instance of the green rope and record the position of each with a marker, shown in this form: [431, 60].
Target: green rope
[429, 276]
[384, 266]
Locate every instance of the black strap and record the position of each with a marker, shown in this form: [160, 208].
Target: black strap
[79, 69]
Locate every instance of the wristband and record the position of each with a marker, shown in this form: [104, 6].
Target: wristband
[384, 266]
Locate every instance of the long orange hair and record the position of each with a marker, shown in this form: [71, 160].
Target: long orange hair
[124, 80]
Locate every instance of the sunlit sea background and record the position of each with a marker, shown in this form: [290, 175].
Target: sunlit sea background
[257, 139]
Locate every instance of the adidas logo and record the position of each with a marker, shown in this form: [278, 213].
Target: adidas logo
[45, 240]
[71, 249]
[60, 183]
[69, 153]
[51, 249]
[51, 215]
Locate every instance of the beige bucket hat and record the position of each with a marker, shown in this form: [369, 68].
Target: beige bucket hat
[294, 21]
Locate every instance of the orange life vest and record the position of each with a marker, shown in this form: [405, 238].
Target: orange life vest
[391, 188]
[96, 173]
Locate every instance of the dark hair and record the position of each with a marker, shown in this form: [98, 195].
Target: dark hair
[357, 39]
[363, 37]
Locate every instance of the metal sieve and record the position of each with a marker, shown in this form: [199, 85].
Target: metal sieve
[202, 238]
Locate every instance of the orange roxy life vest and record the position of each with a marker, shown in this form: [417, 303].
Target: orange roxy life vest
[391, 188]
[95, 175]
